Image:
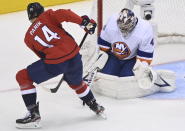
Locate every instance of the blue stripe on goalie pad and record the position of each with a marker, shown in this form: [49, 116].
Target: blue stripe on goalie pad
[179, 93]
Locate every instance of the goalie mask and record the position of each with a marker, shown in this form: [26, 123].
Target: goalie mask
[126, 21]
[34, 10]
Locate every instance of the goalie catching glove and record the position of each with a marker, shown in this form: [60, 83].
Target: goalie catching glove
[149, 79]
[89, 25]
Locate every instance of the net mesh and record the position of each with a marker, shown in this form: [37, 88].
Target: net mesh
[169, 16]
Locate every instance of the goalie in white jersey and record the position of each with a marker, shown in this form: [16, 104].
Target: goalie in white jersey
[125, 71]
[126, 38]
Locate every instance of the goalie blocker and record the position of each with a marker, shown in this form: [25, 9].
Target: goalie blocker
[145, 82]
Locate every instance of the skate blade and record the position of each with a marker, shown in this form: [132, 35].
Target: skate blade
[32, 125]
[102, 115]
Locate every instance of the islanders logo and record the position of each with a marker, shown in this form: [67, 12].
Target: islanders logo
[120, 50]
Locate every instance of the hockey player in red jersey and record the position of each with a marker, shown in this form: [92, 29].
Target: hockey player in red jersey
[58, 53]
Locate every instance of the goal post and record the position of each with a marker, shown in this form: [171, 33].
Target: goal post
[100, 15]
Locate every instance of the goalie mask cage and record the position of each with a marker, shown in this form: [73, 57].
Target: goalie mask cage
[169, 15]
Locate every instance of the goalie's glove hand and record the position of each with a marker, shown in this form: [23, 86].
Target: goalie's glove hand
[89, 25]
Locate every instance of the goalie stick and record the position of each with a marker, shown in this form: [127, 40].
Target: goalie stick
[91, 76]
[54, 90]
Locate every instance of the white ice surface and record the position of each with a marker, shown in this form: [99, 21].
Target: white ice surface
[63, 111]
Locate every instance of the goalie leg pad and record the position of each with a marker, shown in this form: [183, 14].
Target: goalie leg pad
[147, 78]
[120, 87]
[166, 80]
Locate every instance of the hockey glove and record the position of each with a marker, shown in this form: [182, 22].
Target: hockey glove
[89, 25]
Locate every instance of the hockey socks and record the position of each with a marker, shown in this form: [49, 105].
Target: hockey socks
[29, 99]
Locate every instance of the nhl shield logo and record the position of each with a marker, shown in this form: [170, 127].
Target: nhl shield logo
[121, 50]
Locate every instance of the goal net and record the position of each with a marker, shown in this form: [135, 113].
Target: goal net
[169, 16]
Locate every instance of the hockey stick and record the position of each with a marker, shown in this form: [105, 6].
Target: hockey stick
[54, 90]
[89, 78]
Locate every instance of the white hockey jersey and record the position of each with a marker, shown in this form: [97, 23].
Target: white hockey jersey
[138, 43]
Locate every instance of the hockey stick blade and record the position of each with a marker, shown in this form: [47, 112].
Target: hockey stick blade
[54, 90]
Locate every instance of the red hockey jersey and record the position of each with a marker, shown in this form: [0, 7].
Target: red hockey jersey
[49, 40]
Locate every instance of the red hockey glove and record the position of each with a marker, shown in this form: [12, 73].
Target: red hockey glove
[88, 24]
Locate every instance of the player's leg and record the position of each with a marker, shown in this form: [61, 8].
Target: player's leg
[127, 66]
[37, 73]
[73, 77]
[29, 95]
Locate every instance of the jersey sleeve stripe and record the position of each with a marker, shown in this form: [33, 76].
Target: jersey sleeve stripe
[103, 43]
[104, 49]
[144, 58]
[144, 54]
[148, 61]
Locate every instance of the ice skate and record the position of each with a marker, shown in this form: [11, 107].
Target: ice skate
[98, 109]
[31, 120]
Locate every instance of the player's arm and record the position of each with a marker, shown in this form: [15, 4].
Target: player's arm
[67, 15]
[104, 45]
[103, 40]
[146, 48]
